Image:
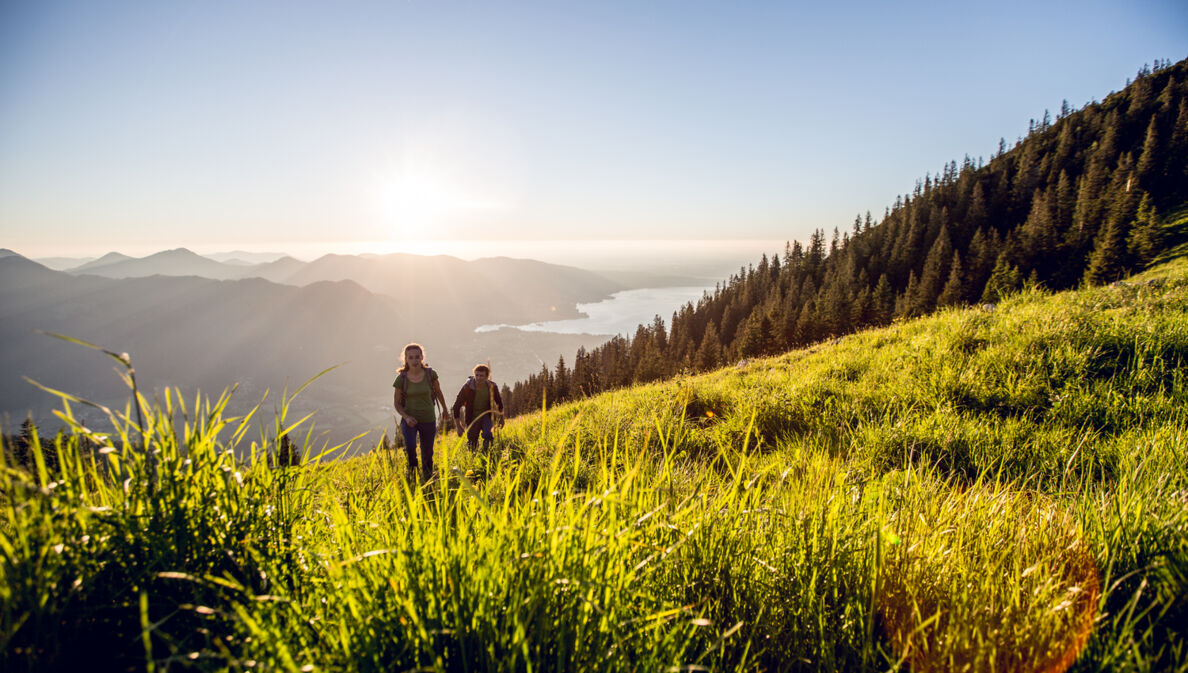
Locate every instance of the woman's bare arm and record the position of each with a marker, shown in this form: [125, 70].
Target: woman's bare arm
[412, 422]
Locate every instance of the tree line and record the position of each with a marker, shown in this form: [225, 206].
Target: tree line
[1079, 200]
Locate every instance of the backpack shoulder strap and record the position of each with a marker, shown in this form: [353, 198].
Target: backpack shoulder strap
[429, 374]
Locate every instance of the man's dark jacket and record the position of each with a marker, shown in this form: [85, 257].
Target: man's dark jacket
[465, 399]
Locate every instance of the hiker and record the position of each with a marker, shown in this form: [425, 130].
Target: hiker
[416, 389]
[482, 402]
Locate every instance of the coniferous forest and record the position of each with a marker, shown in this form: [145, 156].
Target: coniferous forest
[1082, 199]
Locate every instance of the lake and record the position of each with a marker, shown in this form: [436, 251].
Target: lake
[620, 314]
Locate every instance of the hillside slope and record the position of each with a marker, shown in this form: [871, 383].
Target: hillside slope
[1084, 198]
[979, 490]
[1070, 406]
[1016, 386]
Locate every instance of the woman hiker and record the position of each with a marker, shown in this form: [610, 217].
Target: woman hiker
[481, 399]
[416, 389]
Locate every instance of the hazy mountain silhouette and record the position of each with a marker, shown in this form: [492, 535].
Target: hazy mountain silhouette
[182, 330]
[244, 257]
[106, 260]
[491, 290]
[176, 262]
[278, 271]
[192, 332]
[498, 289]
[63, 263]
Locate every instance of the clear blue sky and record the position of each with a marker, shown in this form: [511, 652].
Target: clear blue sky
[137, 126]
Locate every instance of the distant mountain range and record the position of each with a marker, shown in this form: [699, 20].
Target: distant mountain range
[177, 262]
[207, 330]
[498, 289]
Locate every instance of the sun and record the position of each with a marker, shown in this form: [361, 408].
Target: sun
[410, 203]
[426, 205]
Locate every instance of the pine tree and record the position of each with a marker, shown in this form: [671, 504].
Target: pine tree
[759, 337]
[979, 261]
[506, 394]
[1004, 280]
[1145, 234]
[1176, 169]
[807, 325]
[1150, 164]
[833, 304]
[953, 292]
[907, 253]
[559, 388]
[1109, 260]
[1141, 97]
[1039, 234]
[580, 374]
[814, 259]
[862, 310]
[1089, 210]
[932, 277]
[884, 301]
[1065, 148]
[709, 351]
[1026, 178]
[1066, 202]
[907, 302]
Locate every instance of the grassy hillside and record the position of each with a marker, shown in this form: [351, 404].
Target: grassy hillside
[995, 488]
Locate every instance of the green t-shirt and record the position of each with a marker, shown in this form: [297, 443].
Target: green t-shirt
[482, 398]
[418, 399]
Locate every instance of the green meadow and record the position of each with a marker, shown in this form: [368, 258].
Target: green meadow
[997, 488]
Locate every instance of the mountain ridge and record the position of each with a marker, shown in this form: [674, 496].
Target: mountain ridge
[1090, 197]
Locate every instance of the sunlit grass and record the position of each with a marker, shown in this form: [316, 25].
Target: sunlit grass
[979, 490]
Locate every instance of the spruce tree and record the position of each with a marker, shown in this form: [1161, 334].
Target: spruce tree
[709, 351]
[953, 292]
[506, 394]
[559, 389]
[1149, 169]
[862, 310]
[757, 336]
[1066, 202]
[980, 257]
[1039, 234]
[1109, 260]
[884, 301]
[907, 302]
[1146, 235]
[1004, 280]
[807, 327]
[932, 277]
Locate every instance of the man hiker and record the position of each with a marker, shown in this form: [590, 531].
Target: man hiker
[479, 398]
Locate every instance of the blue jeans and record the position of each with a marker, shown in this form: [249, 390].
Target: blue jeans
[427, 432]
[482, 425]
